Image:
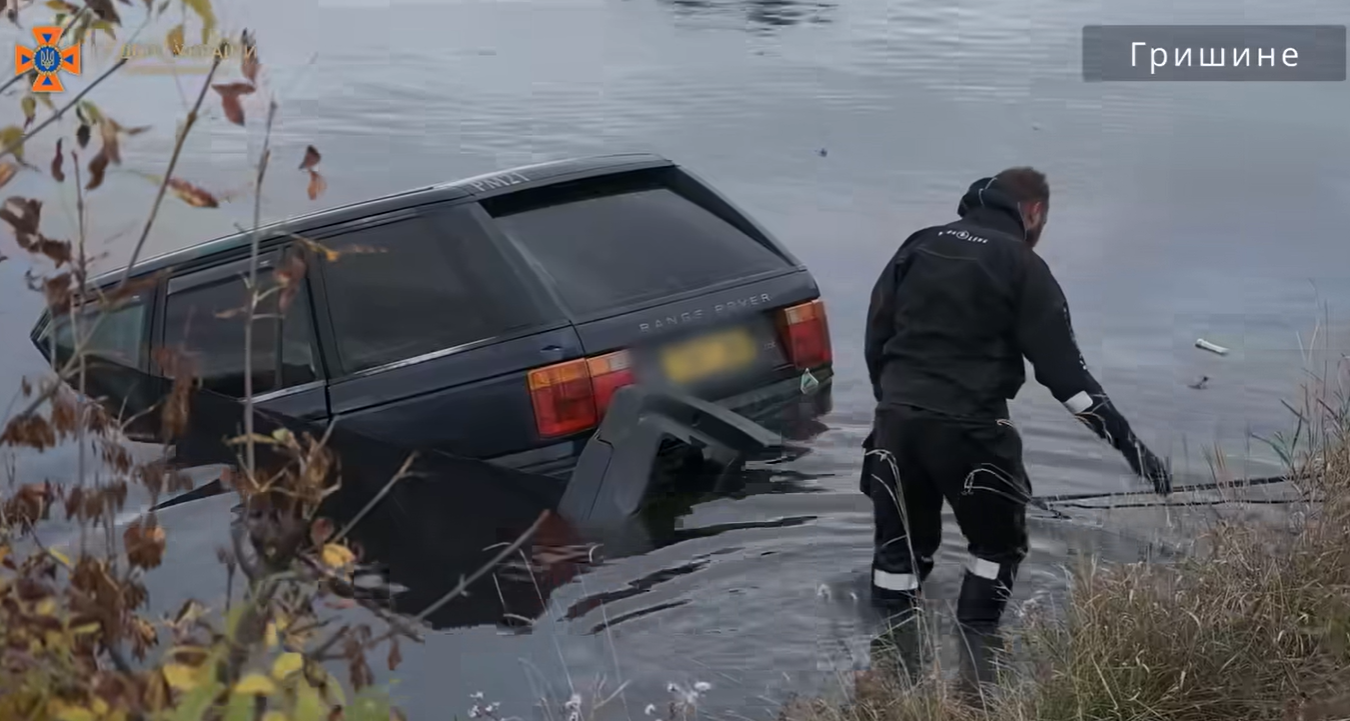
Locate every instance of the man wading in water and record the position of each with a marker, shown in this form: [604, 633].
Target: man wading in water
[951, 318]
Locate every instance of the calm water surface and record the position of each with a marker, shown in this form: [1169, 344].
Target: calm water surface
[1180, 211]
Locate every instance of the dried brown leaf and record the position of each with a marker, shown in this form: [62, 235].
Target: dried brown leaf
[192, 195]
[107, 130]
[97, 167]
[58, 251]
[29, 431]
[57, 162]
[316, 185]
[7, 172]
[320, 531]
[229, 100]
[290, 277]
[144, 544]
[248, 62]
[105, 10]
[312, 158]
[58, 292]
[175, 39]
[23, 216]
[82, 135]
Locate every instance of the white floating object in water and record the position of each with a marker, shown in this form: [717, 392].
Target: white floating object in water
[1203, 344]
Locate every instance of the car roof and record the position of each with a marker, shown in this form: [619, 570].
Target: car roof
[500, 182]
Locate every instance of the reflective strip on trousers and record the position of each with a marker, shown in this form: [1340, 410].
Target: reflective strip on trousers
[982, 568]
[895, 581]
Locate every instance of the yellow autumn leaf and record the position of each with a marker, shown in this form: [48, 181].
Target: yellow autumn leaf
[11, 136]
[336, 556]
[180, 677]
[287, 664]
[274, 716]
[175, 39]
[63, 558]
[46, 607]
[68, 712]
[256, 684]
[85, 629]
[271, 635]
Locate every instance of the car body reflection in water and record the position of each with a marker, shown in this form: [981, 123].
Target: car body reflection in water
[760, 14]
[448, 517]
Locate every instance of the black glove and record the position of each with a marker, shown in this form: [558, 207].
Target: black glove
[1148, 467]
[1107, 422]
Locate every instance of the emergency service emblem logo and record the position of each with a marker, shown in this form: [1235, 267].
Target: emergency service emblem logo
[48, 59]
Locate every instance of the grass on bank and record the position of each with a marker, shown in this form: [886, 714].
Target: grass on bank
[1255, 624]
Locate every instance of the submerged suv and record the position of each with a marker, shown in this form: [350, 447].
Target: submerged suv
[493, 317]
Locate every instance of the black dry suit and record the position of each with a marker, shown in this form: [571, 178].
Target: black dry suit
[951, 318]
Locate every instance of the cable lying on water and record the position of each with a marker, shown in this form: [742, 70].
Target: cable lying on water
[1065, 500]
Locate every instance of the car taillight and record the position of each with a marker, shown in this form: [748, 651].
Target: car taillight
[564, 401]
[609, 373]
[807, 334]
[572, 396]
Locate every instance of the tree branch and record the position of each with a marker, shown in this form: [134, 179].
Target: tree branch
[9, 150]
[173, 164]
[250, 452]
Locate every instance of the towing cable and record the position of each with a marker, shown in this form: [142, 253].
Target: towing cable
[1069, 500]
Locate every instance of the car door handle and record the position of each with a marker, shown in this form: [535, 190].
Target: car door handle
[553, 352]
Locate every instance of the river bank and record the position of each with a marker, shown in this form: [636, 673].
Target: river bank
[1252, 623]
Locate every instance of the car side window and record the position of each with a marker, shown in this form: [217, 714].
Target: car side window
[418, 285]
[207, 321]
[118, 337]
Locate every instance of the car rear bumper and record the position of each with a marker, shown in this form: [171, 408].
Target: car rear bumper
[781, 406]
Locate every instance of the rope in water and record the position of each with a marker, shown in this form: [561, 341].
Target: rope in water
[1216, 486]
[1065, 500]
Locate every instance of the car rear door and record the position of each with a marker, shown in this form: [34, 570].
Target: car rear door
[657, 264]
[431, 331]
[203, 315]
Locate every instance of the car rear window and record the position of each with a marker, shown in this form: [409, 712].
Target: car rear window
[607, 251]
[420, 285]
[117, 337]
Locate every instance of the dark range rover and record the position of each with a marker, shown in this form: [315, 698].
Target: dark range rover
[493, 317]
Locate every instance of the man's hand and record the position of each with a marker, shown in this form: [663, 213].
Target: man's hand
[1148, 466]
[1107, 422]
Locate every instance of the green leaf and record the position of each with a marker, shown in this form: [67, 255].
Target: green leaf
[29, 105]
[9, 136]
[309, 706]
[92, 112]
[240, 707]
[46, 101]
[203, 10]
[107, 28]
[237, 611]
[369, 705]
[194, 706]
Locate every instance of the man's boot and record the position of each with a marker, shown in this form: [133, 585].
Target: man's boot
[984, 595]
[898, 647]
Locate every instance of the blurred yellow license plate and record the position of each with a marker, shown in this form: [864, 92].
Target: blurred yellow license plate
[708, 355]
